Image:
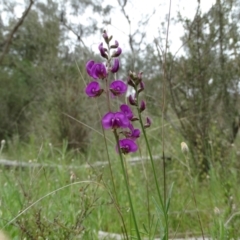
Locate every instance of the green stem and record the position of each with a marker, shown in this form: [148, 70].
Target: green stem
[127, 185]
[153, 167]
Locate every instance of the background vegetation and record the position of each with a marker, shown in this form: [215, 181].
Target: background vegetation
[45, 118]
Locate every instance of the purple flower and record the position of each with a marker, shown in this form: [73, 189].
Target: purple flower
[98, 71]
[89, 66]
[115, 66]
[93, 89]
[135, 133]
[115, 120]
[103, 51]
[118, 87]
[127, 146]
[117, 52]
[127, 111]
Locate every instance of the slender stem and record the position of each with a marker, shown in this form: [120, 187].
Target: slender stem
[163, 106]
[127, 184]
[116, 203]
[149, 149]
[153, 167]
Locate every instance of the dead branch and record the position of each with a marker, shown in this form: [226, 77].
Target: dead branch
[14, 30]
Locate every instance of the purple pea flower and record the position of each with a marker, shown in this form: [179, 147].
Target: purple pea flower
[127, 146]
[117, 53]
[127, 111]
[118, 87]
[93, 89]
[98, 71]
[115, 66]
[103, 51]
[115, 120]
[135, 133]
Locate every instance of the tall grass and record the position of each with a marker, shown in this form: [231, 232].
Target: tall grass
[74, 202]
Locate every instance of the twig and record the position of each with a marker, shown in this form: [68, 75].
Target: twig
[14, 30]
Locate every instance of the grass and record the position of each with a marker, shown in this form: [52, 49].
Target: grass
[72, 202]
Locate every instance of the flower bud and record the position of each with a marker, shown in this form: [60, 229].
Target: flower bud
[184, 147]
[132, 75]
[132, 100]
[103, 51]
[148, 123]
[115, 66]
[106, 38]
[115, 45]
[117, 53]
[142, 86]
[131, 82]
[142, 106]
[140, 76]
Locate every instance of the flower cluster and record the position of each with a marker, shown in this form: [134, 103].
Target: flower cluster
[121, 122]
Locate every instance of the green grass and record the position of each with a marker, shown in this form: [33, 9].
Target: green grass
[41, 203]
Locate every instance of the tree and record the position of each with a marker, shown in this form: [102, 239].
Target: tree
[203, 84]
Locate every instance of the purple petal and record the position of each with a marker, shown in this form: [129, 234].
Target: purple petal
[89, 66]
[118, 87]
[107, 120]
[99, 71]
[115, 66]
[127, 146]
[122, 119]
[136, 133]
[127, 111]
[115, 120]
